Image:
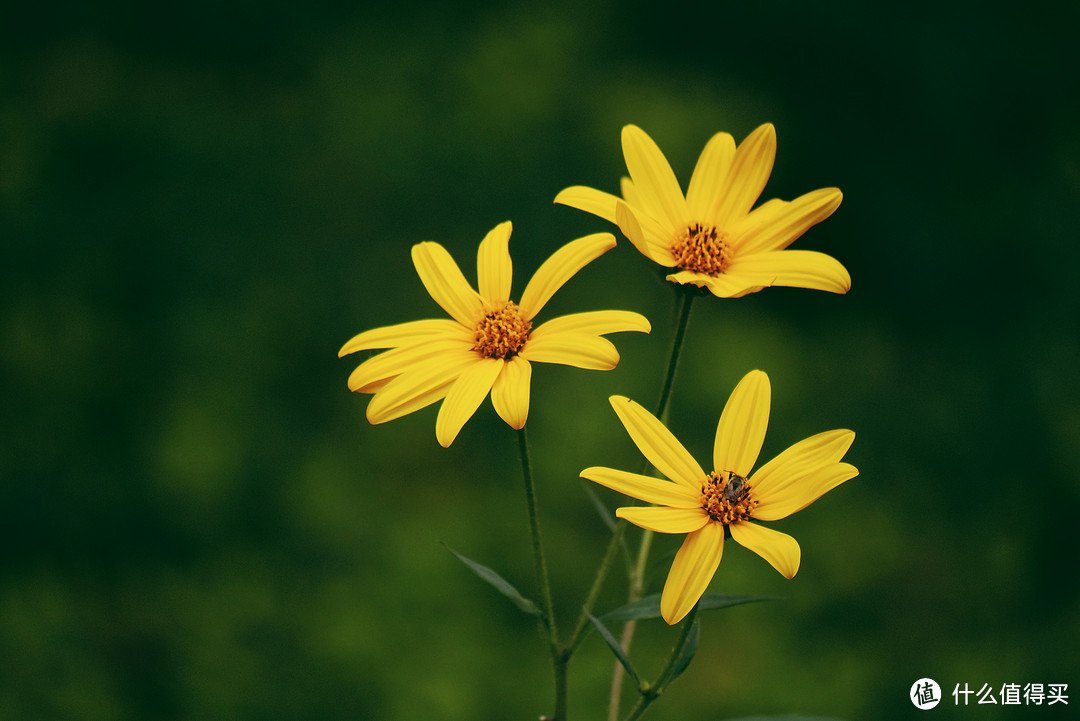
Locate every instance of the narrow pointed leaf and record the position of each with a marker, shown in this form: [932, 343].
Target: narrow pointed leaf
[686, 653]
[501, 584]
[649, 607]
[711, 601]
[616, 648]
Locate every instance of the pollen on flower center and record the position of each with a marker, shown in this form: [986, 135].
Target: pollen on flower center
[726, 497]
[702, 249]
[501, 333]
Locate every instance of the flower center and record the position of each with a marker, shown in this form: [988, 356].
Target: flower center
[702, 249]
[726, 497]
[502, 333]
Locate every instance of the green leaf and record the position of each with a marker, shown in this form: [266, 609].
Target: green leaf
[649, 607]
[686, 653]
[616, 648]
[712, 601]
[500, 583]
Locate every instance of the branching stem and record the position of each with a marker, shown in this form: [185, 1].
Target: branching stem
[637, 579]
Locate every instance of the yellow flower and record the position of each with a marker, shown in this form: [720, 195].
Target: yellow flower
[703, 505]
[711, 235]
[489, 341]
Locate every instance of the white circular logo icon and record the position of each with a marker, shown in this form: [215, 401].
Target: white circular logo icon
[925, 693]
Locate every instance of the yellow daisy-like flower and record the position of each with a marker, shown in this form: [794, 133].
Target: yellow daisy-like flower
[489, 342]
[711, 235]
[703, 505]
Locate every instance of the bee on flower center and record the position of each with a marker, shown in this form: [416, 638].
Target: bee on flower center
[734, 488]
[702, 249]
[501, 333]
[726, 497]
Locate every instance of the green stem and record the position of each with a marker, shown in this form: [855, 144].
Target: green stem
[637, 588]
[598, 583]
[620, 526]
[637, 580]
[676, 350]
[650, 694]
[559, 658]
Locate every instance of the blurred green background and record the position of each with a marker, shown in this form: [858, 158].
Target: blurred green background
[200, 203]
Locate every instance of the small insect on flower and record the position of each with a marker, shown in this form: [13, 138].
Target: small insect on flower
[729, 501]
[735, 487]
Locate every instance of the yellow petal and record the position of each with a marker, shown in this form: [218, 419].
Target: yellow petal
[391, 336]
[561, 267]
[631, 228]
[779, 549]
[510, 394]
[691, 571]
[777, 224]
[653, 178]
[808, 455]
[750, 170]
[493, 266]
[795, 268]
[418, 388]
[664, 520]
[798, 495]
[445, 283]
[590, 200]
[464, 397]
[644, 488]
[657, 444]
[653, 244]
[599, 203]
[374, 386]
[597, 322]
[372, 373]
[741, 429]
[743, 232]
[657, 230]
[724, 285]
[709, 174]
[572, 349]
[629, 193]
